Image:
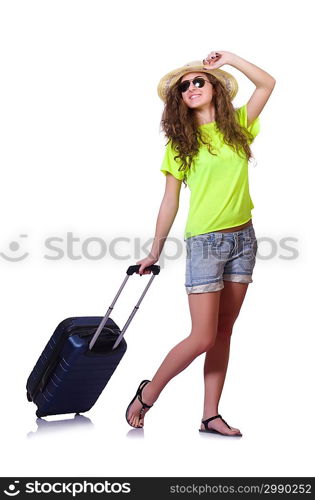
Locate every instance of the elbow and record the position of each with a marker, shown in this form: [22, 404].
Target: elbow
[171, 200]
[269, 84]
[171, 204]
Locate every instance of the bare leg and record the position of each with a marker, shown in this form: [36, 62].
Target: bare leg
[217, 358]
[204, 308]
[215, 367]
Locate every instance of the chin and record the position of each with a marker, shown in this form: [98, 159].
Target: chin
[195, 105]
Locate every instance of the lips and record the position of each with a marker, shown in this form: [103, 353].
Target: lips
[193, 96]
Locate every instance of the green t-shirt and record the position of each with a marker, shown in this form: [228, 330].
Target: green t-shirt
[219, 196]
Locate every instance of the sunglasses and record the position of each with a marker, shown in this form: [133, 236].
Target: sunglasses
[198, 82]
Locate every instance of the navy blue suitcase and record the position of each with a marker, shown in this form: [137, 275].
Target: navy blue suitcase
[79, 360]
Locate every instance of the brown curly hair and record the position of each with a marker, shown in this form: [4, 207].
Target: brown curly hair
[180, 127]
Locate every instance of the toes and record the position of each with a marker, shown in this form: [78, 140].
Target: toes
[131, 419]
[236, 431]
[134, 420]
[232, 430]
[135, 415]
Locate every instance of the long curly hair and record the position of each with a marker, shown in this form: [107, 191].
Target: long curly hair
[180, 127]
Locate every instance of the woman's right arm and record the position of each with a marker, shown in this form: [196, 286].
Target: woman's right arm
[165, 219]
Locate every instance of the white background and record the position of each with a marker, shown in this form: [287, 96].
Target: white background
[81, 149]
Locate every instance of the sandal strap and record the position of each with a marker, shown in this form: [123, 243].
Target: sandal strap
[139, 394]
[205, 422]
[144, 405]
[226, 423]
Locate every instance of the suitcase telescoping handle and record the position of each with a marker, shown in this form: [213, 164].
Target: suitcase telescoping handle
[131, 269]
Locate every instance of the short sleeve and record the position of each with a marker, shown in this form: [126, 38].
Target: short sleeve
[170, 165]
[241, 114]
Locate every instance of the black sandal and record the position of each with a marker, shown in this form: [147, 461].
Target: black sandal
[139, 396]
[213, 431]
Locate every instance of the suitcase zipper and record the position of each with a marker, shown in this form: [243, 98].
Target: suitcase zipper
[72, 331]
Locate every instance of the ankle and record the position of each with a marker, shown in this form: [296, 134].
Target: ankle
[149, 395]
[207, 413]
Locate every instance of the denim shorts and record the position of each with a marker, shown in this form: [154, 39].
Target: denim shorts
[214, 257]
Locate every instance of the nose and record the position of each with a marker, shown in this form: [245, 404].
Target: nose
[191, 87]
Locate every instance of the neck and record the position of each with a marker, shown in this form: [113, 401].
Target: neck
[205, 115]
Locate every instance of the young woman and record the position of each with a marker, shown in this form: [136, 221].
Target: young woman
[208, 150]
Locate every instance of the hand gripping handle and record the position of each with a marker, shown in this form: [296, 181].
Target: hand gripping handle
[135, 269]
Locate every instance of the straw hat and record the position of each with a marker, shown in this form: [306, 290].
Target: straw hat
[172, 77]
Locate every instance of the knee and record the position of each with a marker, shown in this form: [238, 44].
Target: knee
[224, 332]
[203, 343]
[207, 346]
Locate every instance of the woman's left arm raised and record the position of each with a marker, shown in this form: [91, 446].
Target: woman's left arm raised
[261, 79]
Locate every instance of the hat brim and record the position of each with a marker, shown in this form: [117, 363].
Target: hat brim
[172, 77]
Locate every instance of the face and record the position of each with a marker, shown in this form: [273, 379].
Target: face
[196, 98]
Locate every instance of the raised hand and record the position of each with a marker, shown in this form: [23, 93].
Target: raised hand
[216, 59]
